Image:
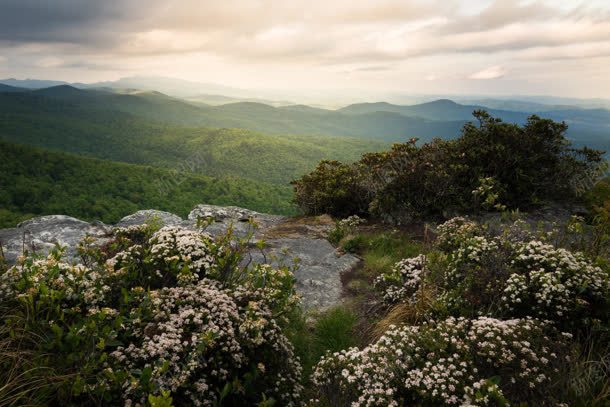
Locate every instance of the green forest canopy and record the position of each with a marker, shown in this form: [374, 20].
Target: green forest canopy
[36, 182]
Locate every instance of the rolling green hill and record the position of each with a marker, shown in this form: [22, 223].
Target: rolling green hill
[58, 124]
[373, 121]
[587, 127]
[8, 88]
[37, 182]
[384, 126]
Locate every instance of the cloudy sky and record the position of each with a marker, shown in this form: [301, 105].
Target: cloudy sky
[558, 47]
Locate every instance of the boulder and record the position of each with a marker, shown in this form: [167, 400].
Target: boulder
[318, 269]
[40, 235]
[141, 217]
[224, 216]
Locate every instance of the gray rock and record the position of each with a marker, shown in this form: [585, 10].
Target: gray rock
[40, 235]
[319, 267]
[239, 218]
[318, 276]
[221, 213]
[141, 217]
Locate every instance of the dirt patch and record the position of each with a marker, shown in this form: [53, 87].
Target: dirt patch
[316, 227]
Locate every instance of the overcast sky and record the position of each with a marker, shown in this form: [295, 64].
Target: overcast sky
[558, 47]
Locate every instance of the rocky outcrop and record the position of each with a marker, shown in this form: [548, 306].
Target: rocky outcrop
[288, 241]
[141, 217]
[40, 235]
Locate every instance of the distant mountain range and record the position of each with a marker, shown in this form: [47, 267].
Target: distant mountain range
[438, 110]
[376, 121]
[31, 83]
[212, 93]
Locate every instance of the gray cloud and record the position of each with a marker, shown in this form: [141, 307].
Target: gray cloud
[71, 21]
[323, 31]
[359, 36]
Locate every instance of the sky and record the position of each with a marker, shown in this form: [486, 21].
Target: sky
[494, 47]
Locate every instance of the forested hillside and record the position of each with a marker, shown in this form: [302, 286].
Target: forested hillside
[372, 121]
[38, 182]
[100, 132]
[157, 107]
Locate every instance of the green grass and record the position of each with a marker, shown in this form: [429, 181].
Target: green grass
[380, 250]
[332, 331]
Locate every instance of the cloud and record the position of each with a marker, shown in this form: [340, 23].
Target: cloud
[325, 32]
[375, 68]
[451, 38]
[493, 72]
[50, 62]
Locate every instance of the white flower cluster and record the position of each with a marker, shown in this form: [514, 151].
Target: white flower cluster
[506, 273]
[350, 222]
[448, 363]
[404, 281]
[552, 283]
[453, 231]
[198, 338]
[468, 256]
[473, 249]
[55, 280]
[185, 253]
[188, 248]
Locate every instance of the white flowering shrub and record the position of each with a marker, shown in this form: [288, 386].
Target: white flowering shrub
[472, 362]
[54, 281]
[403, 282]
[195, 340]
[480, 271]
[554, 284]
[344, 227]
[504, 273]
[166, 256]
[451, 233]
[151, 318]
[350, 222]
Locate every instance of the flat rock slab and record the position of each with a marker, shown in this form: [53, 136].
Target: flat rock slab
[319, 269]
[318, 277]
[148, 215]
[40, 235]
[238, 218]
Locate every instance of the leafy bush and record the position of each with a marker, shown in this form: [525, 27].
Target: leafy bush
[354, 244]
[492, 166]
[481, 361]
[331, 188]
[598, 203]
[507, 273]
[404, 280]
[153, 317]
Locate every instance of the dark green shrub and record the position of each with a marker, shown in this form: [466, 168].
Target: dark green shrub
[332, 188]
[492, 166]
